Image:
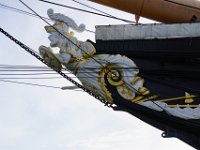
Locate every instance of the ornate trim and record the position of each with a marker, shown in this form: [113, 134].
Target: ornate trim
[108, 95]
[115, 77]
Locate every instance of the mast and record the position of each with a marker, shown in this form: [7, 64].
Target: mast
[167, 11]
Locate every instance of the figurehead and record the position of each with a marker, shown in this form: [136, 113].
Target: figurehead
[63, 23]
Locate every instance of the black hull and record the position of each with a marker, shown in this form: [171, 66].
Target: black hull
[176, 60]
[169, 66]
[185, 130]
[173, 48]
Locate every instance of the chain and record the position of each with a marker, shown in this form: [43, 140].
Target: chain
[26, 48]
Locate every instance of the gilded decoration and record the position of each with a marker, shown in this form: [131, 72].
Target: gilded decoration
[108, 76]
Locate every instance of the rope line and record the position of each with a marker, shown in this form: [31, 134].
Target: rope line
[38, 85]
[27, 49]
[32, 84]
[28, 13]
[82, 10]
[19, 11]
[127, 21]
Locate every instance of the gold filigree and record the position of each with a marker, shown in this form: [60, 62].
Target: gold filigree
[57, 25]
[153, 97]
[188, 98]
[125, 92]
[89, 54]
[115, 77]
[108, 95]
[135, 80]
[50, 58]
[84, 57]
[143, 91]
[137, 99]
[176, 98]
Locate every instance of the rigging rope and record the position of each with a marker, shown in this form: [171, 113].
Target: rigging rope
[12, 68]
[47, 68]
[28, 13]
[32, 78]
[19, 11]
[26, 48]
[104, 15]
[32, 84]
[127, 21]
[38, 85]
[91, 7]
[156, 71]
[22, 66]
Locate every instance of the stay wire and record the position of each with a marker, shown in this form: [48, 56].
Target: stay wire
[4, 66]
[35, 84]
[29, 14]
[74, 8]
[91, 8]
[34, 74]
[127, 21]
[26, 74]
[22, 66]
[31, 71]
[19, 11]
[24, 70]
[32, 78]
[155, 72]
[32, 84]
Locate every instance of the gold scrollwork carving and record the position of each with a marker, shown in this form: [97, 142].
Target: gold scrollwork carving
[143, 91]
[108, 95]
[50, 58]
[125, 92]
[115, 77]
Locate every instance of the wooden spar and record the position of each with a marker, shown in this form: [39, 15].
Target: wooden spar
[167, 11]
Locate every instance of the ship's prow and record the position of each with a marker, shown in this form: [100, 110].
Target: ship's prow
[168, 59]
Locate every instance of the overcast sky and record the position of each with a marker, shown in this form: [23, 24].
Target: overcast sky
[39, 118]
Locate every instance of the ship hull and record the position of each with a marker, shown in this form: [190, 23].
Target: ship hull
[169, 64]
